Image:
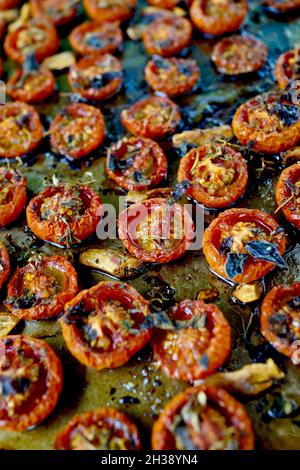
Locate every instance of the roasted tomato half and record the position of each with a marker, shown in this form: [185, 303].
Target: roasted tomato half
[217, 17]
[21, 130]
[4, 265]
[268, 123]
[283, 5]
[65, 214]
[12, 195]
[40, 289]
[109, 10]
[31, 381]
[156, 231]
[36, 36]
[203, 418]
[104, 429]
[31, 85]
[91, 38]
[197, 342]
[217, 173]
[288, 193]
[96, 78]
[167, 36]
[105, 326]
[154, 117]
[172, 76]
[77, 130]
[60, 12]
[280, 313]
[8, 4]
[287, 68]
[236, 55]
[244, 245]
[136, 163]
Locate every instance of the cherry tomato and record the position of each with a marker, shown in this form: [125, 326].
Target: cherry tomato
[169, 4]
[2, 31]
[103, 327]
[40, 289]
[65, 214]
[287, 68]
[280, 312]
[203, 418]
[37, 35]
[199, 344]
[8, 4]
[154, 117]
[77, 130]
[31, 382]
[155, 231]
[288, 193]
[217, 17]
[31, 87]
[96, 78]
[269, 123]
[136, 163]
[217, 173]
[172, 76]
[104, 429]
[240, 244]
[91, 38]
[21, 130]
[110, 10]
[5, 265]
[283, 5]
[60, 12]
[12, 195]
[236, 55]
[167, 36]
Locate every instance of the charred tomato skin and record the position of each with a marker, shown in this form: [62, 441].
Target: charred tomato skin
[231, 18]
[10, 210]
[46, 48]
[233, 411]
[263, 138]
[283, 5]
[116, 12]
[249, 57]
[47, 8]
[213, 341]
[144, 126]
[169, 83]
[35, 94]
[231, 193]
[254, 268]
[80, 116]
[20, 110]
[105, 417]
[131, 343]
[53, 232]
[283, 68]
[96, 93]
[42, 311]
[128, 219]
[271, 304]
[144, 148]
[110, 32]
[5, 264]
[180, 36]
[42, 405]
[291, 209]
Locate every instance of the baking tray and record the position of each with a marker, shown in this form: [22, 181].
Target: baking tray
[138, 388]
